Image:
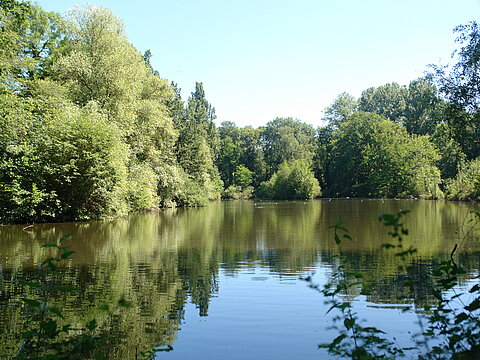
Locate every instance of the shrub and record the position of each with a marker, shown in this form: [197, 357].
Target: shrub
[237, 193]
[293, 180]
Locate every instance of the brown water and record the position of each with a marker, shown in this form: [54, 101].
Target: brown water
[223, 281]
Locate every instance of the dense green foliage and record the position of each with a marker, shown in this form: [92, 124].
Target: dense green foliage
[466, 185]
[90, 130]
[459, 85]
[286, 140]
[293, 180]
[374, 157]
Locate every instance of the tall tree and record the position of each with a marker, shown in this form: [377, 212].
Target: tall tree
[104, 68]
[230, 152]
[415, 106]
[240, 147]
[252, 155]
[423, 109]
[198, 143]
[343, 106]
[388, 100]
[29, 39]
[460, 85]
[287, 139]
[373, 156]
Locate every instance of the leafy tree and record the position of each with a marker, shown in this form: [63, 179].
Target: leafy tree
[29, 39]
[417, 106]
[451, 154]
[240, 146]
[197, 144]
[201, 114]
[287, 139]
[375, 157]
[103, 67]
[322, 158]
[388, 100]
[252, 154]
[243, 177]
[176, 107]
[23, 197]
[459, 84]
[240, 189]
[60, 162]
[229, 159]
[422, 107]
[342, 107]
[230, 151]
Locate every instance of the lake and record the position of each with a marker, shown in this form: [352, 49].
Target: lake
[224, 281]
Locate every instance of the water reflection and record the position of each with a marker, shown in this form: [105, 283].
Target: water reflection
[162, 261]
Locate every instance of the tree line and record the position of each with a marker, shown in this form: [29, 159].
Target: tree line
[88, 130]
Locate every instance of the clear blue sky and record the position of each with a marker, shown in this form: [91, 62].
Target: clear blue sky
[261, 59]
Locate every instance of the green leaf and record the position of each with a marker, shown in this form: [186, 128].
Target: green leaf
[52, 266]
[32, 303]
[48, 245]
[28, 334]
[474, 305]
[49, 326]
[57, 312]
[67, 288]
[460, 317]
[337, 239]
[65, 237]
[349, 322]
[475, 288]
[92, 325]
[31, 284]
[338, 339]
[47, 260]
[67, 253]
[124, 303]
[104, 307]
[373, 330]
[166, 348]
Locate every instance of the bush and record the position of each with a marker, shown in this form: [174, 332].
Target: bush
[293, 180]
[237, 193]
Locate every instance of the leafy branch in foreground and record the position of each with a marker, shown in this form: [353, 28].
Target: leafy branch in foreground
[47, 334]
[453, 323]
[453, 330]
[354, 341]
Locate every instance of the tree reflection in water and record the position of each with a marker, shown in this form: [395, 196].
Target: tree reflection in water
[162, 261]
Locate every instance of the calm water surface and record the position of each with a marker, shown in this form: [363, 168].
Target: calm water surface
[223, 281]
